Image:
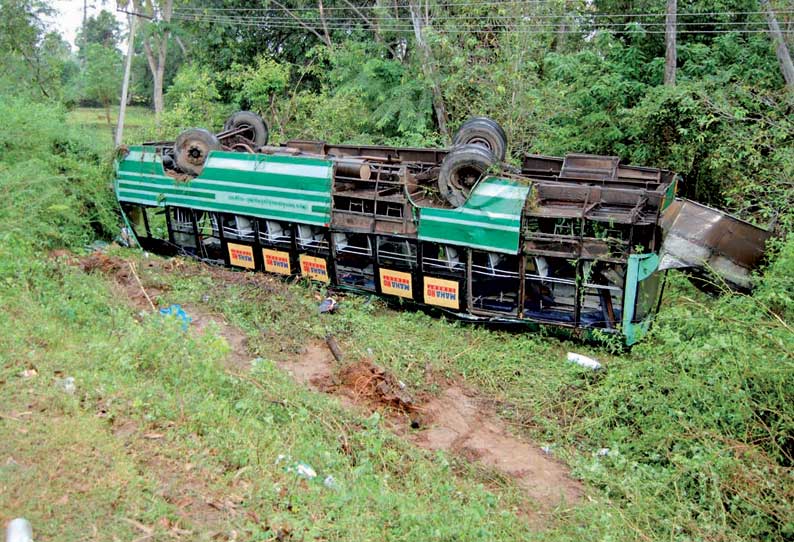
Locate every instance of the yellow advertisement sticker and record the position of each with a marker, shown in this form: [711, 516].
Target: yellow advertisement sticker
[314, 268]
[241, 255]
[444, 293]
[276, 261]
[396, 283]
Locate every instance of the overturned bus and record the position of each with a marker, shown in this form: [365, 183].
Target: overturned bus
[575, 242]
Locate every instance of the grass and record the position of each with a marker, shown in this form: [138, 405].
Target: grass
[93, 126]
[697, 419]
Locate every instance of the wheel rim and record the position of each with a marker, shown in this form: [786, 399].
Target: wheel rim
[196, 152]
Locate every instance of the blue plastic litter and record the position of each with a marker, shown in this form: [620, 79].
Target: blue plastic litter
[177, 312]
[327, 306]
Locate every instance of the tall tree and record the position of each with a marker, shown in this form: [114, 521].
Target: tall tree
[419, 23]
[102, 28]
[670, 53]
[156, 33]
[22, 33]
[781, 48]
[102, 75]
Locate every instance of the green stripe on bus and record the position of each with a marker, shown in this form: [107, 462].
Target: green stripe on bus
[232, 209]
[167, 190]
[220, 187]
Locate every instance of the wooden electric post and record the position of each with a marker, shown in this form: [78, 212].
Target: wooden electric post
[670, 53]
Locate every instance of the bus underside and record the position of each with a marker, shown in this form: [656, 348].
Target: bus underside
[571, 242]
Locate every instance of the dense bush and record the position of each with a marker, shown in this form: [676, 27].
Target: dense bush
[55, 187]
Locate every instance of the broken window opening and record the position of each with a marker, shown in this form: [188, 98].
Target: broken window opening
[354, 260]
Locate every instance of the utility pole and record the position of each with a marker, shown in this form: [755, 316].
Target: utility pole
[82, 43]
[126, 85]
[670, 53]
[781, 49]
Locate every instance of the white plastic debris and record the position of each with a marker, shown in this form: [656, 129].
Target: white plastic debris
[282, 457]
[603, 452]
[67, 384]
[305, 471]
[584, 361]
[19, 530]
[546, 450]
[330, 482]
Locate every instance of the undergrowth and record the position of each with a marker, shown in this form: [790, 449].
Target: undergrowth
[685, 437]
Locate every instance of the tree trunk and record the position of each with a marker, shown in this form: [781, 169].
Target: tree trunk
[429, 69]
[670, 53]
[325, 39]
[157, 65]
[322, 20]
[561, 31]
[783, 56]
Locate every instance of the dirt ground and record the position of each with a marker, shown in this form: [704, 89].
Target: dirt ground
[456, 419]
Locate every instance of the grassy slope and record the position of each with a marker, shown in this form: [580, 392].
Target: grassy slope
[698, 419]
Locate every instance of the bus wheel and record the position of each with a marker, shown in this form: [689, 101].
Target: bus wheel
[192, 147]
[484, 132]
[257, 129]
[460, 171]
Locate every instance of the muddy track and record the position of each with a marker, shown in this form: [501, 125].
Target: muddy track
[456, 420]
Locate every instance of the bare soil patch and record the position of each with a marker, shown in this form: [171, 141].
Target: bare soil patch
[457, 420]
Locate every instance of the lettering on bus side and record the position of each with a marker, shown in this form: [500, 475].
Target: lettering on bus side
[314, 268]
[276, 261]
[443, 293]
[396, 283]
[241, 255]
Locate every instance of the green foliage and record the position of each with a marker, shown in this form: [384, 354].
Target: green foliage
[54, 186]
[102, 75]
[257, 85]
[102, 29]
[33, 61]
[193, 100]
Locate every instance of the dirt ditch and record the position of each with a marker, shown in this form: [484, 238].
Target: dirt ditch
[455, 420]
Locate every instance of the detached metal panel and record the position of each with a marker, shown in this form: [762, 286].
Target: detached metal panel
[489, 220]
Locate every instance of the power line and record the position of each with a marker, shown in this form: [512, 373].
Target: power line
[463, 18]
[345, 24]
[274, 14]
[496, 3]
[406, 23]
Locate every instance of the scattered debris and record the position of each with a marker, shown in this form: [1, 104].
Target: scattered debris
[333, 346]
[28, 373]
[305, 471]
[546, 450]
[66, 384]
[125, 238]
[330, 482]
[328, 305]
[602, 452]
[177, 312]
[19, 530]
[584, 361]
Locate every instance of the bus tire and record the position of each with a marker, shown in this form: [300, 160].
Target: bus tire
[484, 132]
[461, 170]
[258, 132]
[192, 148]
